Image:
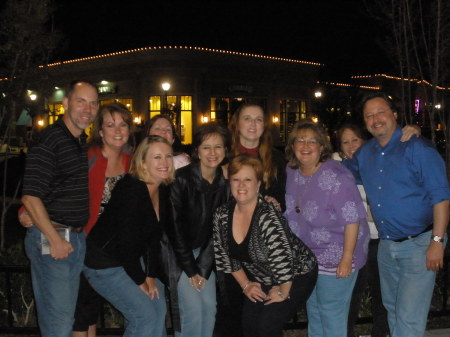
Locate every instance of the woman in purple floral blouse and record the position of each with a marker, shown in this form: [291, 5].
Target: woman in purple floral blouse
[325, 210]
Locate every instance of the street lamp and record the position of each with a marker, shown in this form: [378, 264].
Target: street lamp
[165, 87]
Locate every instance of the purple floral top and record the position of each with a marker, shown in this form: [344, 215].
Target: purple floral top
[318, 208]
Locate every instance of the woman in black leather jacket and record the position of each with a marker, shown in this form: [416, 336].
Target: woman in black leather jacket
[198, 190]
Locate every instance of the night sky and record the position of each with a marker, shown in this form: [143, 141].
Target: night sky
[336, 33]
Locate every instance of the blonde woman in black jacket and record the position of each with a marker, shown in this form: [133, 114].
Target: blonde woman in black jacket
[129, 230]
[197, 191]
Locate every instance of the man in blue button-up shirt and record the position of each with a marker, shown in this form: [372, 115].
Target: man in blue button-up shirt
[407, 188]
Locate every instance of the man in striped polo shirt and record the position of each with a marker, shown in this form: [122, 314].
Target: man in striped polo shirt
[55, 194]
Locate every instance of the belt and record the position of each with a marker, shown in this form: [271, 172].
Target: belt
[430, 227]
[58, 226]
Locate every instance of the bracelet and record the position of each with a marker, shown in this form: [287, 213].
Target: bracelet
[246, 285]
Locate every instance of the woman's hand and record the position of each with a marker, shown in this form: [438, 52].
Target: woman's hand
[254, 292]
[25, 219]
[410, 130]
[274, 296]
[273, 201]
[197, 282]
[144, 288]
[344, 268]
[153, 291]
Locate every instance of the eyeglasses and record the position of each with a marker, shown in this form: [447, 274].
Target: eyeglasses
[310, 142]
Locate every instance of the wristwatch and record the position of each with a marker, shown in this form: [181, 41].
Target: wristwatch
[437, 238]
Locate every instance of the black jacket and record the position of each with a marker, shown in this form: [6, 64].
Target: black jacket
[194, 201]
[127, 230]
[277, 187]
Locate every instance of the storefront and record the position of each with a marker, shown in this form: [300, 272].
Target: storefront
[200, 85]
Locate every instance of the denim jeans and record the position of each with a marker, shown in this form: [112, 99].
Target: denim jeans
[119, 289]
[160, 306]
[369, 275]
[328, 306]
[55, 283]
[406, 284]
[197, 309]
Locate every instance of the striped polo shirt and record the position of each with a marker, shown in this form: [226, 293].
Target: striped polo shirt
[57, 173]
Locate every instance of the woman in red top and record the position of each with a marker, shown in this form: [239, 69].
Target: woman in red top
[108, 163]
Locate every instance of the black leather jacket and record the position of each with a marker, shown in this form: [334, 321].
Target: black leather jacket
[194, 201]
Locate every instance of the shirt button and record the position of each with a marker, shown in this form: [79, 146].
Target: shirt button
[381, 170]
[382, 221]
[379, 187]
[387, 236]
[379, 205]
[382, 153]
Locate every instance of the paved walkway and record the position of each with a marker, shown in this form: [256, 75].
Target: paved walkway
[438, 333]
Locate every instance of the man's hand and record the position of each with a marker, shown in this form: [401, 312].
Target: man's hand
[60, 249]
[435, 256]
[25, 219]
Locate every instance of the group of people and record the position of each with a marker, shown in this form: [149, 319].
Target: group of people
[235, 230]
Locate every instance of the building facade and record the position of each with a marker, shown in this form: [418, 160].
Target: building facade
[201, 85]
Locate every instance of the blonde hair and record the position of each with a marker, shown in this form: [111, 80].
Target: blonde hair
[137, 162]
[265, 144]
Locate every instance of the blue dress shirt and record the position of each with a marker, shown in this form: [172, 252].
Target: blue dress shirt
[403, 180]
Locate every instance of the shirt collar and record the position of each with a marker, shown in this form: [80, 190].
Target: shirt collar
[394, 139]
[78, 140]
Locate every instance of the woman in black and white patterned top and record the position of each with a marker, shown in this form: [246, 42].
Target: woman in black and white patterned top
[253, 242]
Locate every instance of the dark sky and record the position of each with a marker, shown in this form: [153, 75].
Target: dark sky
[335, 32]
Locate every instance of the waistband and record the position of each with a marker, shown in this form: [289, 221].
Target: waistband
[429, 228]
[59, 226]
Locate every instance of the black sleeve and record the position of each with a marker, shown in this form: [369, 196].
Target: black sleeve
[183, 252]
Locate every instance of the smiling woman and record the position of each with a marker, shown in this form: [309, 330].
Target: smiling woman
[252, 242]
[128, 231]
[325, 210]
[198, 190]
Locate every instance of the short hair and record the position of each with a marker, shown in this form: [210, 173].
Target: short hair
[111, 109]
[381, 95]
[137, 167]
[204, 132]
[320, 135]
[245, 160]
[70, 89]
[265, 143]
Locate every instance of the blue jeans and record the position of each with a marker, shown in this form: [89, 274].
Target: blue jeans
[55, 283]
[328, 306]
[119, 289]
[160, 306]
[197, 309]
[406, 284]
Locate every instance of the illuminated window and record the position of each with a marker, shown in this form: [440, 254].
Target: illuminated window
[291, 111]
[222, 108]
[179, 109]
[54, 110]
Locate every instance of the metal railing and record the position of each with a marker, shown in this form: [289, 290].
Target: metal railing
[16, 294]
